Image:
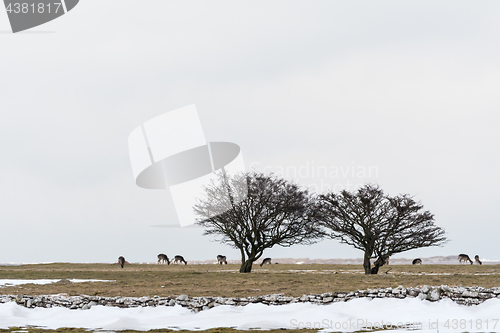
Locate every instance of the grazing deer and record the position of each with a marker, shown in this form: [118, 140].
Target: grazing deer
[266, 261]
[179, 259]
[417, 261]
[121, 261]
[162, 258]
[464, 257]
[476, 259]
[221, 259]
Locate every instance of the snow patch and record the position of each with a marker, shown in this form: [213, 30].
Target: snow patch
[344, 316]
[18, 282]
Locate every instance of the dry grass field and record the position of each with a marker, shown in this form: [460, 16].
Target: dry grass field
[216, 280]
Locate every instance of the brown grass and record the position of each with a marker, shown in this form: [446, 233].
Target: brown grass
[216, 280]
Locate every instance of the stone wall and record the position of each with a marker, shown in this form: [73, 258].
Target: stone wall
[460, 295]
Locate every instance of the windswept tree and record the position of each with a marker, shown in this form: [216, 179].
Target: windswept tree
[377, 224]
[253, 212]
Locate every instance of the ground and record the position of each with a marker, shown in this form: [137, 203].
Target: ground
[225, 281]
[82, 330]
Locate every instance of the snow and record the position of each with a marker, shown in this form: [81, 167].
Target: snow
[89, 280]
[17, 282]
[343, 316]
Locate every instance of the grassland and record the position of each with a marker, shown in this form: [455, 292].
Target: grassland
[225, 281]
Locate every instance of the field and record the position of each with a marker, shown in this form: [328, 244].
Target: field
[225, 281]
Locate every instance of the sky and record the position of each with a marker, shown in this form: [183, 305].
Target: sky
[402, 94]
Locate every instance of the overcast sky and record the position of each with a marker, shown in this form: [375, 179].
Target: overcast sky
[404, 94]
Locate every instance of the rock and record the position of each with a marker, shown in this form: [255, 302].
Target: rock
[461, 295]
[128, 301]
[285, 299]
[434, 294]
[412, 293]
[272, 298]
[396, 291]
[468, 293]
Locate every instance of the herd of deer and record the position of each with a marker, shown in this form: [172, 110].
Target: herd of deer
[461, 257]
[464, 257]
[162, 258]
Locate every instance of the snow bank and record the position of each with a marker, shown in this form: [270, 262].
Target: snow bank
[444, 315]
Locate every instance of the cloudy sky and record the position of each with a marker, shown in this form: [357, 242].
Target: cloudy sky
[404, 94]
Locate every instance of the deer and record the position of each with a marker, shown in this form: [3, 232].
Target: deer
[464, 257]
[179, 259]
[121, 261]
[221, 259]
[476, 259]
[417, 261]
[162, 258]
[266, 261]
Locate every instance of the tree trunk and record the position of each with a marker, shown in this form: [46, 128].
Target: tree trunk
[376, 266]
[246, 267]
[243, 258]
[367, 265]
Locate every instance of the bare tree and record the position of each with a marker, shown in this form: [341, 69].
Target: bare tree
[253, 212]
[377, 224]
